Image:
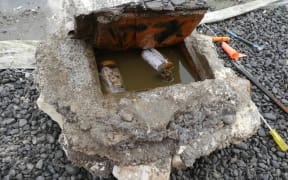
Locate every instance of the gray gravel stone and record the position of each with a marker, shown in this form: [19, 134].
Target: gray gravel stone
[19, 177]
[72, 170]
[242, 145]
[285, 101]
[12, 172]
[9, 121]
[275, 164]
[59, 154]
[261, 132]
[22, 122]
[30, 166]
[14, 131]
[280, 154]
[40, 178]
[39, 164]
[50, 138]
[270, 116]
[262, 165]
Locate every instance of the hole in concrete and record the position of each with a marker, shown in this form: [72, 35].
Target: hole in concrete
[134, 27]
[138, 75]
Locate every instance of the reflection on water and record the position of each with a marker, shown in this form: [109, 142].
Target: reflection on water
[139, 75]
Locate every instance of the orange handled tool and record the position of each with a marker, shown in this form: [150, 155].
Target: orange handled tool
[221, 39]
[217, 38]
[231, 52]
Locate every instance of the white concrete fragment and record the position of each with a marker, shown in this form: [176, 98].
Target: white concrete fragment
[159, 170]
[233, 11]
[49, 109]
[18, 54]
[177, 162]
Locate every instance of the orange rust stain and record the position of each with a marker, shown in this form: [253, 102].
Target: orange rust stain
[145, 30]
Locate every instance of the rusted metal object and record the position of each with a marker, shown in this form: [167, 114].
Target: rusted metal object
[111, 77]
[159, 63]
[134, 26]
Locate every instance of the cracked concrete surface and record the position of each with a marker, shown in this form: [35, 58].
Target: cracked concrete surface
[185, 121]
[200, 116]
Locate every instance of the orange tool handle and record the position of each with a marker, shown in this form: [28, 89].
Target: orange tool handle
[221, 39]
[230, 51]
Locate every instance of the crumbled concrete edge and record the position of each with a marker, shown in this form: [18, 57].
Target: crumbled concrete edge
[205, 46]
[187, 153]
[18, 54]
[159, 170]
[50, 110]
[247, 122]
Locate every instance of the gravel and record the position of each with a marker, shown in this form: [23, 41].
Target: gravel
[257, 157]
[28, 137]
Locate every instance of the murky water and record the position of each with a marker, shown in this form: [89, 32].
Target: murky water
[138, 75]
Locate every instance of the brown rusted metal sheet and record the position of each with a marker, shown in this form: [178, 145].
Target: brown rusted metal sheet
[139, 27]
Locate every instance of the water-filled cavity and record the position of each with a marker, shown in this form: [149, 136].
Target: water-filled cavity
[138, 75]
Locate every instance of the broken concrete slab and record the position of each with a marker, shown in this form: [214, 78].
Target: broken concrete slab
[193, 121]
[18, 54]
[159, 170]
[180, 121]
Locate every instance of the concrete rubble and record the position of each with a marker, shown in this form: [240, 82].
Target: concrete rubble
[17, 54]
[130, 135]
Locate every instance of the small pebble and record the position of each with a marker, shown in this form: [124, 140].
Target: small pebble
[270, 116]
[40, 178]
[261, 132]
[39, 164]
[72, 170]
[22, 122]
